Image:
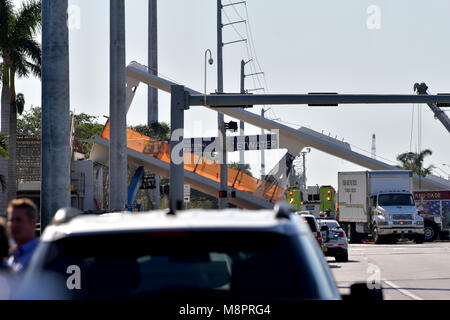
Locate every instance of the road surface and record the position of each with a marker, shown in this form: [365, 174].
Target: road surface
[406, 271]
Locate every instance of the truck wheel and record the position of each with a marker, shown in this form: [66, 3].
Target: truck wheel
[430, 232]
[419, 239]
[376, 237]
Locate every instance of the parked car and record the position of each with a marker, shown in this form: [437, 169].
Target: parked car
[313, 225]
[335, 243]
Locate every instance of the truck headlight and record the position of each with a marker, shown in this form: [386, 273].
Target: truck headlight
[383, 223]
[419, 223]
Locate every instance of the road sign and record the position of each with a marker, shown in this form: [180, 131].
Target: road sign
[187, 193]
[234, 143]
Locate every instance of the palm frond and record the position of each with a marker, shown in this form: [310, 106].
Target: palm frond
[28, 19]
[30, 48]
[6, 14]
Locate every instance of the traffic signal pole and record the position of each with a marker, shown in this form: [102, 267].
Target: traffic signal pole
[220, 117]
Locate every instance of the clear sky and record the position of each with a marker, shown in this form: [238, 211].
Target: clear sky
[352, 46]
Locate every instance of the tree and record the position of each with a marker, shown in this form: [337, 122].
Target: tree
[86, 126]
[21, 55]
[157, 130]
[3, 154]
[414, 162]
[246, 170]
[29, 122]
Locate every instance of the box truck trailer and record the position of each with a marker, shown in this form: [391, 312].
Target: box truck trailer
[434, 207]
[379, 204]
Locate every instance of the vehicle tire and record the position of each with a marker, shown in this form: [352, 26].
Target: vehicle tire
[419, 239]
[431, 232]
[343, 257]
[377, 239]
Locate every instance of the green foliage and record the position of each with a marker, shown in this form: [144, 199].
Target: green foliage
[159, 131]
[86, 126]
[29, 123]
[4, 154]
[414, 162]
[202, 200]
[246, 169]
[20, 52]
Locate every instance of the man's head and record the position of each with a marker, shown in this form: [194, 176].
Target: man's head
[22, 219]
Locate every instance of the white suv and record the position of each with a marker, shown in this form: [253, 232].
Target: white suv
[213, 255]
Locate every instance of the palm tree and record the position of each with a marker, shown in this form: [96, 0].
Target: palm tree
[21, 55]
[414, 162]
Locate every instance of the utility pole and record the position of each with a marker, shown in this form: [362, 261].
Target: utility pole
[220, 117]
[152, 113]
[117, 108]
[55, 174]
[223, 202]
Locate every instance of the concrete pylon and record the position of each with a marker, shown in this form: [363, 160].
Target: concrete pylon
[55, 174]
[117, 108]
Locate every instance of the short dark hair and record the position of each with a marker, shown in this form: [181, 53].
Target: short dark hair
[23, 203]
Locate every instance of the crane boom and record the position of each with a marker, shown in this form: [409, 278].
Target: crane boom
[439, 114]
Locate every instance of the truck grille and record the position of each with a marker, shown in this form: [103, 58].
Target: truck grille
[404, 223]
[402, 217]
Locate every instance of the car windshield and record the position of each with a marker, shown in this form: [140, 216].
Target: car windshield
[395, 200]
[330, 224]
[312, 223]
[160, 265]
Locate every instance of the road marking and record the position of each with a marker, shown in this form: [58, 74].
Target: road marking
[405, 292]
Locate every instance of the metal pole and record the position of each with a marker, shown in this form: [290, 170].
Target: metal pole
[220, 117]
[263, 160]
[177, 107]
[153, 92]
[55, 174]
[117, 109]
[152, 60]
[241, 123]
[235, 100]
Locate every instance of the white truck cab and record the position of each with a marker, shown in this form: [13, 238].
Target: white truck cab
[379, 203]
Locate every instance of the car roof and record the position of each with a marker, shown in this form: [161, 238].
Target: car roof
[307, 215]
[327, 220]
[195, 219]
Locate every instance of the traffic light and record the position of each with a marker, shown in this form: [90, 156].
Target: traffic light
[223, 194]
[232, 125]
[164, 189]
